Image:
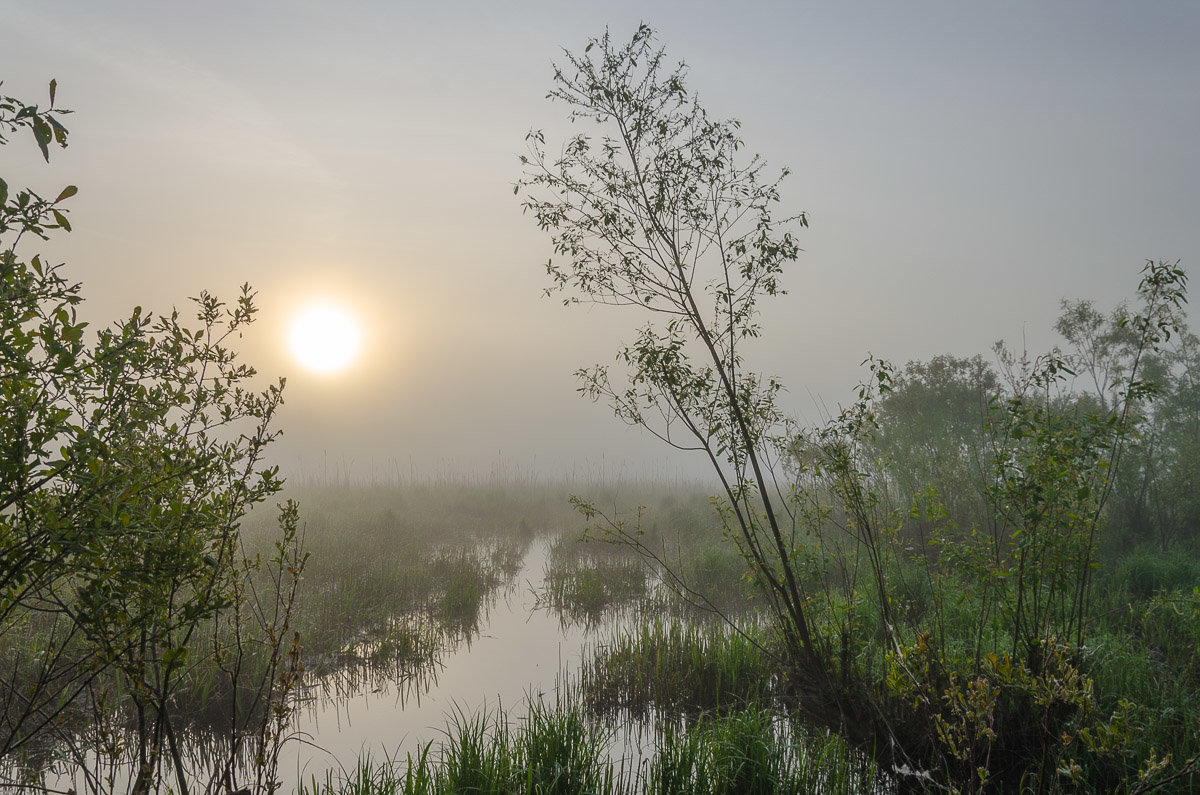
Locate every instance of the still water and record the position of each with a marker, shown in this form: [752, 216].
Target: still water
[520, 650]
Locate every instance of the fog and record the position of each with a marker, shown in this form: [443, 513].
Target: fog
[963, 169]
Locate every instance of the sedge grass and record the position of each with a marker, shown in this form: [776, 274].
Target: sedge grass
[756, 751]
[558, 750]
[677, 666]
[582, 583]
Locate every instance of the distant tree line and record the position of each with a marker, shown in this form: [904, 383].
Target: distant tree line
[936, 423]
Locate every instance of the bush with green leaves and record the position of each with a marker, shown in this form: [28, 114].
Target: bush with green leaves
[128, 456]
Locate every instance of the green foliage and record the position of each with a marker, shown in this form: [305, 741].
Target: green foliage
[662, 212]
[584, 581]
[932, 431]
[1154, 499]
[753, 751]
[930, 568]
[557, 751]
[128, 456]
[679, 668]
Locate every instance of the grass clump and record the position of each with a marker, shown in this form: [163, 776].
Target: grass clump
[1147, 572]
[562, 753]
[552, 751]
[583, 581]
[368, 777]
[557, 750]
[678, 667]
[755, 752]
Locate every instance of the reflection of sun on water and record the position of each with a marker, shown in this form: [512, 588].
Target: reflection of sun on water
[324, 338]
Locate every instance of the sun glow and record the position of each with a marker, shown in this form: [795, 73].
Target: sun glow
[325, 338]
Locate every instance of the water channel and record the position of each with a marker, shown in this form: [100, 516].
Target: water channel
[521, 650]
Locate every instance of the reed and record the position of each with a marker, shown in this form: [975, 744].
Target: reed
[756, 751]
[557, 750]
[582, 582]
[679, 667]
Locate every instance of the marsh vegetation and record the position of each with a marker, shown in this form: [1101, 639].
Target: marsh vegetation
[975, 577]
[656, 690]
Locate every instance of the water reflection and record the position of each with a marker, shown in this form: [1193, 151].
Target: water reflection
[519, 651]
[500, 626]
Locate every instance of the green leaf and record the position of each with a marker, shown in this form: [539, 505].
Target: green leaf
[60, 132]
[62, 220]
[67, 193]
[43, 135]
[175, 657]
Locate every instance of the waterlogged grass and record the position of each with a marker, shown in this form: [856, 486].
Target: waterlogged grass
[391, 588]
[715, 575]
[686, 566]
[583, 581]
[395, 579]
[755, 751]
[558, 750]
[439, 551]
[398, 576]
[677, 667]
[551, 751]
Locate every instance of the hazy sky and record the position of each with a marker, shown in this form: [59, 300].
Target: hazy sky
[963, 167]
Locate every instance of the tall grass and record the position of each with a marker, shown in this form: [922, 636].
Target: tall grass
[675, 667]
[552, 751]
[557, 750]
[398, 576]
[1146, 572]
[755, 751]
[583, 582]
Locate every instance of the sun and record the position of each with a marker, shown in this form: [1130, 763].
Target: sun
[324, 337]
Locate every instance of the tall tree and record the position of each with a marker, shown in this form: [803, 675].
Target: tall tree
[662, 211]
